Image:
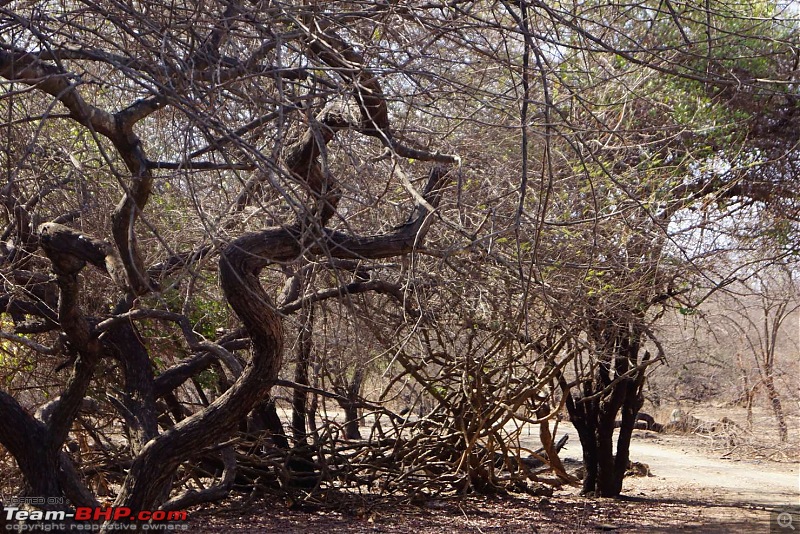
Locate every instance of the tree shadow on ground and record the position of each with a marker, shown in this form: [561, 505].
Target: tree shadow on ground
[512, 513]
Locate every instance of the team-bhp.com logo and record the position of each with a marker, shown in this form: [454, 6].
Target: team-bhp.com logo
[93, 519]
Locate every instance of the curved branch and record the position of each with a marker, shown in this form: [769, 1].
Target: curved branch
[335, 52]
[69, 252]
[375, 286]
[192, 338]
[24, 67]
[214, 493]
[31, 344]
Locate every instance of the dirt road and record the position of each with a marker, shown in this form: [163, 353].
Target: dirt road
[694, 488]
[678, 462]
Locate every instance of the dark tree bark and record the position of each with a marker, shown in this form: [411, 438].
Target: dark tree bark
[265, 417]
[616, 387]
[29, 442]
[351, 424]
[349, 396]
[138, 402]
[300, 397]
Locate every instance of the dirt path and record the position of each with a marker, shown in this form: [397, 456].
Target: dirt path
[692, 488]
[684, 465]
[677, 462]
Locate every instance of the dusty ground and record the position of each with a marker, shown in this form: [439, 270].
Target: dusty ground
[562, 513]
[694, 487]
[682, 464]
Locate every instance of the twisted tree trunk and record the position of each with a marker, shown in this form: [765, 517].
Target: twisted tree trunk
[616, 387]
[240, 264]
